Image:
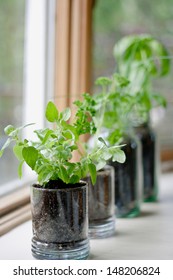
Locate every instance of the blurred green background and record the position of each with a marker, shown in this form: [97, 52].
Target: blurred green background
[114, 19]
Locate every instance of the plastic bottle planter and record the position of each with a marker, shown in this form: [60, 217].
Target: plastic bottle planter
[128, 180]
[150, 160]
[101, 204]
[60, 222]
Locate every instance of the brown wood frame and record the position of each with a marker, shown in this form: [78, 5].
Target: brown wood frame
[73, 50]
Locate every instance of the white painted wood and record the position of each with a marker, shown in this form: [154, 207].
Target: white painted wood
[148, 237]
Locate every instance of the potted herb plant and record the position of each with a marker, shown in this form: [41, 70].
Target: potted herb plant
[116, 104]
[59, 199]
[141, 59]
[101, 206]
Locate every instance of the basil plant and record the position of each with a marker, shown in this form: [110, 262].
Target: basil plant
[142, 59]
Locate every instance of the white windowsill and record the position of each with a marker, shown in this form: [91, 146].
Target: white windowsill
[149, 236]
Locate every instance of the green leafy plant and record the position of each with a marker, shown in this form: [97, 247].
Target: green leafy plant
[113, 107]
[141, 59]
[51, 154]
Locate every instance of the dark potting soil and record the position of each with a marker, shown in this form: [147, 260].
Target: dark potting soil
[100, 204]
[126, 177]
[148, 141]
[59, 216]
[59, 184]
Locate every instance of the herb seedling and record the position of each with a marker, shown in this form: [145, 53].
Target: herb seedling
[50, 156]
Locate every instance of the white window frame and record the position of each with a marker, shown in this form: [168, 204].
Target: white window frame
[38, 72]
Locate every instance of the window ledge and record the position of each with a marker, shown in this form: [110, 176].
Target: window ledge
[146, 237]
[15, 218]
[14, 200]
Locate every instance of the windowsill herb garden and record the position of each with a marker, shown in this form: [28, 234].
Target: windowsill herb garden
[59, 199]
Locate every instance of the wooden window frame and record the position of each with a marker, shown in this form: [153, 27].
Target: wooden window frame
[73, 51]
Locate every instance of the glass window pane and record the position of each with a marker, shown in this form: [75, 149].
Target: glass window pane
[12, 25]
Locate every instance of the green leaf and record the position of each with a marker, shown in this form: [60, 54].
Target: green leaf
[70, 167]
[20, 169]
[103, 81]
[17, 149]
[100, 165]
[41, 133]
[74, 179]
[51, 112]
[9, 129]
[106, 154]
[66, 114]
[48, 134]
[63, 174]
[120, 80]
[150, 53]
[71, 129]
[119, 156]
[93, 172]
[30, 155]
[45, 176]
